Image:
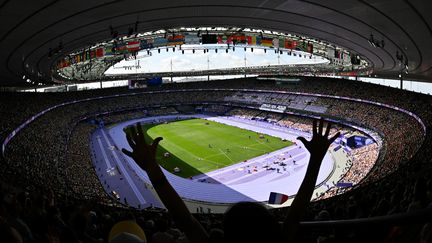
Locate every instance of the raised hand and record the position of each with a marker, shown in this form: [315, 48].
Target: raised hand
[144, 154]
[317, 147]
[319, 143]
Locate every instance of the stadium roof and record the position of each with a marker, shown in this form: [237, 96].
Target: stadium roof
[401, 28]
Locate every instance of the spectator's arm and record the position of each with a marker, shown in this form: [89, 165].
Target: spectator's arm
[145, 156]
[317, 148]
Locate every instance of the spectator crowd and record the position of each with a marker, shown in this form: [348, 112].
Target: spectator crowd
[57, 195]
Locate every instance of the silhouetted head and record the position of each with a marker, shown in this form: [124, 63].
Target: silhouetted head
[250, 222]
[9, 234]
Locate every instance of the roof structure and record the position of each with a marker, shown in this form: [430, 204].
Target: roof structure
[401, 28]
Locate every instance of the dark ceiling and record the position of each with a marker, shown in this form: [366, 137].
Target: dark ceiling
[29, 29]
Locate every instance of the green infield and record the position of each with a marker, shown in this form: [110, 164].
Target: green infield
[198, 146]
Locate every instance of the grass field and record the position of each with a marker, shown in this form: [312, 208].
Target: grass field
[197, 146]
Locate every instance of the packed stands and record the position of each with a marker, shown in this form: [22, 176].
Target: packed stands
[47, 156]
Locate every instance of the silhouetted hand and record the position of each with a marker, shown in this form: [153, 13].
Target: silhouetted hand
[317, 147]
[319, 143]
[144, 154]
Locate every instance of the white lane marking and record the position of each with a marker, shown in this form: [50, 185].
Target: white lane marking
[124, 172]
[107, 162]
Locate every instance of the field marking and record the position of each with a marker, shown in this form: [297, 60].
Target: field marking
[263, 143]
[193, 156]
[226, 155]
[212, 155]
[261, 150]
[195, 159]
[223, 153]
[218, 164]
[273, 149]
[182, 149]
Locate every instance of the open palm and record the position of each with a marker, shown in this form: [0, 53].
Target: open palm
[319, 143]
[144, 154]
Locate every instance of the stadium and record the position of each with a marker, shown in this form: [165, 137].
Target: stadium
[281, 121]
